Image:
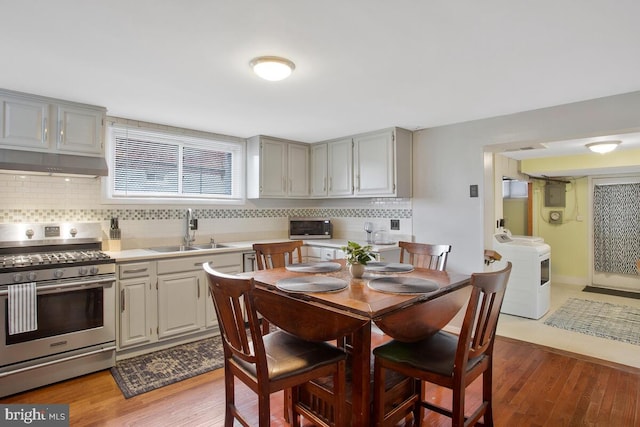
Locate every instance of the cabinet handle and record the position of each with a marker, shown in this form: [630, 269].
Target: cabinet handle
[198, 264]
[122, 300]
[46, 130]
[198, 283]
[61, 134]
[137, 270]
[330, 183]
[358, 182]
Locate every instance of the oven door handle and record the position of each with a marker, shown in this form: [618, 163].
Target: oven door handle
[66, 287]
[53, 362]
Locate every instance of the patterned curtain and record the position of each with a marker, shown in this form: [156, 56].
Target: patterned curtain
[616, 228]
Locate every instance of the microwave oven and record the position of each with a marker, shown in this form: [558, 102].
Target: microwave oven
[310, 228]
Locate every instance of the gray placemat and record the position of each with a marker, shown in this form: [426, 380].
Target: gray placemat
[311, 284]
[403, 285]
[314, 267]
[388, 267]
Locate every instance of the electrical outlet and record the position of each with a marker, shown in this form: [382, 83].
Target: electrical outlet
[395, 224]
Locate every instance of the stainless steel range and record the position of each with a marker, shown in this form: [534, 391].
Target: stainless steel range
[57, 304]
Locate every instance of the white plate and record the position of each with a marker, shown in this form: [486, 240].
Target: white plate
[403, 285]
[311, 284]
[314, 267]
[388, 267]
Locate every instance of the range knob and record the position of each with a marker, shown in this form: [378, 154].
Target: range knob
[94, 270]
[29, 233]
[83, 271]
[31, 276]
[58, 273]
[17, 278]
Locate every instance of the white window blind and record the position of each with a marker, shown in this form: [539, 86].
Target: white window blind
[153, 164]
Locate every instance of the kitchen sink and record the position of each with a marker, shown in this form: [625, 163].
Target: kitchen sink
[182, 248]
[209, 246]
[173, 248]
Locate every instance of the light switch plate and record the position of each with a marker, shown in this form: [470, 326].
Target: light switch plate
[395, 224]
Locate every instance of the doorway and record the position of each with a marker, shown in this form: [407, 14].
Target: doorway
[615, 232]
[517, 207]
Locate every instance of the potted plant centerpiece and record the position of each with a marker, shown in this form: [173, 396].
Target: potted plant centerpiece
[357, 257]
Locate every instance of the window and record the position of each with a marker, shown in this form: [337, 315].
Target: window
[161, 165]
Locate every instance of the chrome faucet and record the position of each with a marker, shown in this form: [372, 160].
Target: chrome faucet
[192, 224]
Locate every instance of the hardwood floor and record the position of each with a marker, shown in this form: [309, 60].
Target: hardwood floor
[533, 386]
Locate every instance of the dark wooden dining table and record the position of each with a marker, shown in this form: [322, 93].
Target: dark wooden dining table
[324, 316]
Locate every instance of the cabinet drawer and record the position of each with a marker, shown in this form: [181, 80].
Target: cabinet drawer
[134, 269]
[314, 252]
[176, 265]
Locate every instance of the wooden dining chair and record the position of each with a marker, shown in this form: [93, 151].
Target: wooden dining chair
[279, 254]
[447, 360]
[274, 255]
[433, 257]
[273, 362]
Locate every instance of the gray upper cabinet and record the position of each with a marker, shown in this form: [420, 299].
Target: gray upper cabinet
[318, 179]
[374, 164]
[35, 123]
[382, 164]
[277, 168]
[340, 167]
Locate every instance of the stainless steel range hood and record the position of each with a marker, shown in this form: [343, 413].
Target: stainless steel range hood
[52, 163]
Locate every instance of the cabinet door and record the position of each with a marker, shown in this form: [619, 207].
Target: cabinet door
[318, 170]
[340, 167]
[210, 317]
[314, 254]
[273, 167]
[24, 123]
[79, 130]
[180, 304]
[137, 320]
[224, 263]
[298, 170]
[374, 165]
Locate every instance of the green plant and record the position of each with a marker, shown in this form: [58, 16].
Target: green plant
[356, 254]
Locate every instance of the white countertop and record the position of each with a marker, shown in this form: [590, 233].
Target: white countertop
[247, 246]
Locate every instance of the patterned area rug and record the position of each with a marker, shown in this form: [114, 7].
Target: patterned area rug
[154, 370]
[600, 319]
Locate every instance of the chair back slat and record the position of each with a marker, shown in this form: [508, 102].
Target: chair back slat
[478, 330]
[280, 254]
[433, 257]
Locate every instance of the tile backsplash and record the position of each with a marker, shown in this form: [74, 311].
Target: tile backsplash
[28, 198]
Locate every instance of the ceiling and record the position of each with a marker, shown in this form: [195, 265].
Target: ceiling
[361, 65]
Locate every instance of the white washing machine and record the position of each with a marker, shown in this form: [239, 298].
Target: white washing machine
[528, 292]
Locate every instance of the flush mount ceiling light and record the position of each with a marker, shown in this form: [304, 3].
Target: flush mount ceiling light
[272, 68]
[603, 146]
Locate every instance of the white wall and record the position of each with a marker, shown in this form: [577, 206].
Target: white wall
[448, 159]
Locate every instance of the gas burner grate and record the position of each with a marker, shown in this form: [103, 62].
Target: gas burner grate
[51, 258]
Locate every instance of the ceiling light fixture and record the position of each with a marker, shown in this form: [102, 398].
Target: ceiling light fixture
[272, 68]
[603, 146]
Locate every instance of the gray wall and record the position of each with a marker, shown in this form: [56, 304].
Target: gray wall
[448, 159]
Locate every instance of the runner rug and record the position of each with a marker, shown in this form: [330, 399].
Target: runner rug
[600, 319]
[148, 372]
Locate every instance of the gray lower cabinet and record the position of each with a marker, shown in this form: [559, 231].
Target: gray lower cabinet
[167, 299]
[136, 304]
[316, 253]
